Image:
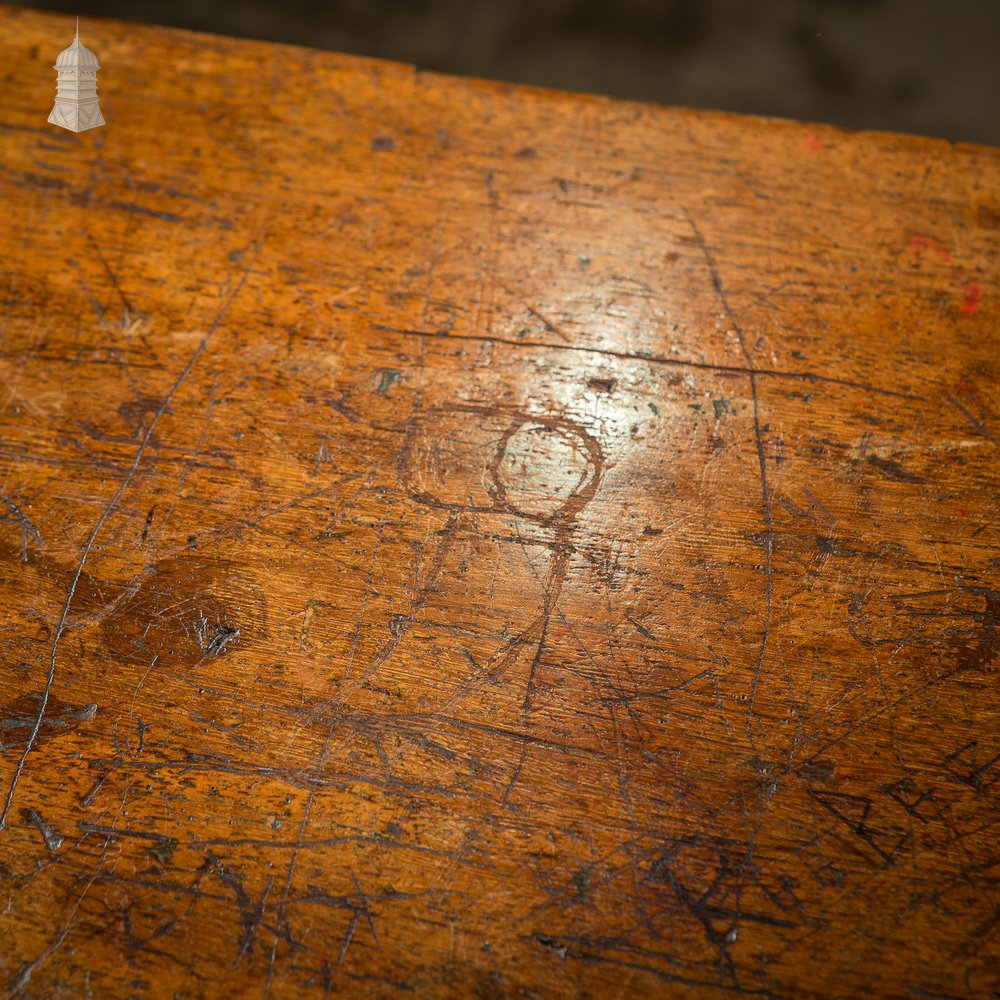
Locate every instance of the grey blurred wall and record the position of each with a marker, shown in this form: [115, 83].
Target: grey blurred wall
[925, 66]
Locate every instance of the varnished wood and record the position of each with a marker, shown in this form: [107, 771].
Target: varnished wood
[465, 540]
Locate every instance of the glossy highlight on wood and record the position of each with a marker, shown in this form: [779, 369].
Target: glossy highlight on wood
[467, 540]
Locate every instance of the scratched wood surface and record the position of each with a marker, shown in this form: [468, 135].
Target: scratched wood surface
[464, 540]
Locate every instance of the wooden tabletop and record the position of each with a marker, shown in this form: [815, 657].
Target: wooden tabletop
[463, 540]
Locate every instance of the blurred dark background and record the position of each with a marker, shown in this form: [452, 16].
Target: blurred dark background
[925, 66]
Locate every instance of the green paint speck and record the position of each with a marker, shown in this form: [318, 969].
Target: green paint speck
[163, 850]
[388, 377]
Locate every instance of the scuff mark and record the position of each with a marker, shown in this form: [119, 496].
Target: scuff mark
[53, 841]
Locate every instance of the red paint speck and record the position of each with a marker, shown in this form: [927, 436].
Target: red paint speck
[962, 512]
[813, 143]
[921, 243]
[963, 388]
[973, 298]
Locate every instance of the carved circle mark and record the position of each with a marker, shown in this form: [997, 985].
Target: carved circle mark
[545, 468]
[490, 460]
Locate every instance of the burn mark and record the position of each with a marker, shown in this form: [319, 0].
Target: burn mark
[184, 612]
[606, 385]
[131, 207]
[212, 638]
[893, 470]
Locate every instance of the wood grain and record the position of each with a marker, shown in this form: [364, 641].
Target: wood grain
[466, 540]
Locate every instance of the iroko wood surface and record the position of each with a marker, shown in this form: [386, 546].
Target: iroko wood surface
[469, 541]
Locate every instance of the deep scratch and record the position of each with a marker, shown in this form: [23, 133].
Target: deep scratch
[762, 463]
[976, 423]
[514, 776]
[655, 359]
[768, 547]
[288, 889]
[27, 528]
[99, 524]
